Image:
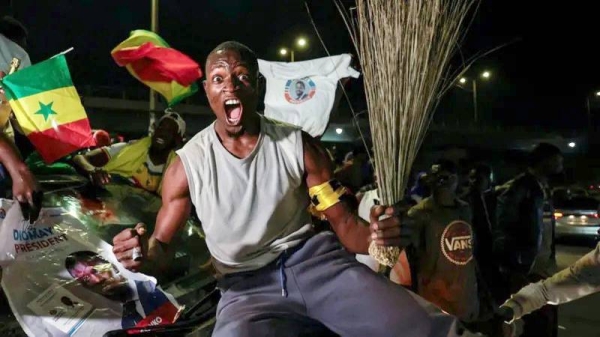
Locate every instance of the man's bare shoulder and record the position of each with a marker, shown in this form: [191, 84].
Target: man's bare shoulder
[175, 182]
[206, 134]
[316, 159]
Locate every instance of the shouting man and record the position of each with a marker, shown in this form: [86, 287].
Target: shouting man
[249, 179]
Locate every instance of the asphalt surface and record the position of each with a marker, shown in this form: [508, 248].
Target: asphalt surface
[579, 318]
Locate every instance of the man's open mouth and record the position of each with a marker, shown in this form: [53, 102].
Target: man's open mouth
[233, 110]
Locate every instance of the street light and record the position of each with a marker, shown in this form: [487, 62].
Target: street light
[572, 144]
[589, 108]
[486, 76]
[154, 8]
[339, 131]
[300, 42]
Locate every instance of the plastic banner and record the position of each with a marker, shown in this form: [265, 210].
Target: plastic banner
[62, 280]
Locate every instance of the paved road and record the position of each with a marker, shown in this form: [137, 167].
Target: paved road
[582, 317]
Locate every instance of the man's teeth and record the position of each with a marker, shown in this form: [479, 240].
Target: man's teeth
[232, 102]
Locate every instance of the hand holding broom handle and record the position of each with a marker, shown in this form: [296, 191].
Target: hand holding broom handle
[388, 255]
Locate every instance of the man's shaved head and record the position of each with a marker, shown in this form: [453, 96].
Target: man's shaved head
[232, 88]
[246, 54]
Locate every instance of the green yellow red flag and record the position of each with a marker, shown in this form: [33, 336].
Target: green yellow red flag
[48, 108]
[153, 62]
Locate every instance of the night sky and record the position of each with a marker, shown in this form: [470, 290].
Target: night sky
[544, 79]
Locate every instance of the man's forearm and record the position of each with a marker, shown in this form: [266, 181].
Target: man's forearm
[10, 158]
[159, 255]
[354, 234]
[577, 281]
[581, 279]
[83, 163]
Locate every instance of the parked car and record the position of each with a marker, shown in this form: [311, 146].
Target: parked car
[576, 213]
[593, 191]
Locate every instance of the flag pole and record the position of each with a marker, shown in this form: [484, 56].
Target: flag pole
[63, 52]
[154, 28]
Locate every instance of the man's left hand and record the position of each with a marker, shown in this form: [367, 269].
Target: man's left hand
[387, 228]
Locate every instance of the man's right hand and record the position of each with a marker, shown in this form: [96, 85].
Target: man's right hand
[389, 227]
[126, 242]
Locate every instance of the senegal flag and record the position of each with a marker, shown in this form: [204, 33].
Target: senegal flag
[153, 62]
[48, 108]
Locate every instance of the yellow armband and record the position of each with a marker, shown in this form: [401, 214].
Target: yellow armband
[326, 195]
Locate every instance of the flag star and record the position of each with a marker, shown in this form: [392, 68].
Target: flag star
[46, 110]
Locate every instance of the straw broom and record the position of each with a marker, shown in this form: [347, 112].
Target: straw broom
[405, 48]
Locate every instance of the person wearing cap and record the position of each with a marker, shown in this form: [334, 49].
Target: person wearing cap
[443, 246]
[101, 137]
[141, 162]
[13, 41]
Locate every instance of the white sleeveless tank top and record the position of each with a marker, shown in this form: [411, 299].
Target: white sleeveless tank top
[251, 208]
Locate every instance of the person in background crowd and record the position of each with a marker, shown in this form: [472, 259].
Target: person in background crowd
[446, 271]
[482, 199]
[369, 187]
[355, 171]
[420, 190]
[25, 188]
[523, 242]
[102, 138]
[442, 256]
[64, 166]
[141, 162]
[13, 41]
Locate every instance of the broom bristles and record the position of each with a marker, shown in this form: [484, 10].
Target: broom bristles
[405, 47]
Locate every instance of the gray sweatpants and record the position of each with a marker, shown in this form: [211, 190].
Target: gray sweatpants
[320, 286]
